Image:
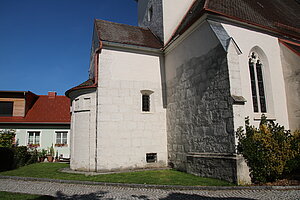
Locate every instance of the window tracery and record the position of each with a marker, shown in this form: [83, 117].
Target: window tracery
[257, 83]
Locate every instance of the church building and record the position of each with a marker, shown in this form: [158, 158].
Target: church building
[172, 91]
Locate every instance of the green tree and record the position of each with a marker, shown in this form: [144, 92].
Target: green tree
[7, 137]
[269, 150]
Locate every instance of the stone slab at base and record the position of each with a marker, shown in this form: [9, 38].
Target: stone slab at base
[229, 167]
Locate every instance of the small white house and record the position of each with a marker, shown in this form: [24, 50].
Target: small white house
[172, 91]
[39, 120]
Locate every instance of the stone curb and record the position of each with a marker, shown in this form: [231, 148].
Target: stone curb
[146, 186]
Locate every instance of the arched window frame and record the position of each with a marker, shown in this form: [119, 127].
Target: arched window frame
[257, 78]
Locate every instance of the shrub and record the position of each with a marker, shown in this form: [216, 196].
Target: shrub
[7, 138]
[293, 165]
[270, 150]
[33, 157]
[22, 156]
[6, 158]
[15, 157]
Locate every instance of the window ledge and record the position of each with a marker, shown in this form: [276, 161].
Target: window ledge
[61, 145]
[147, 112]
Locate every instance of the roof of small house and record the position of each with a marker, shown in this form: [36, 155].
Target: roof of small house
[90, 83]
[281, 17]
[48, 109]
[126, 34]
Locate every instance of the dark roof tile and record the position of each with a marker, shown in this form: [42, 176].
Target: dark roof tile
[126, 34]
[281, 16]
[90, 83]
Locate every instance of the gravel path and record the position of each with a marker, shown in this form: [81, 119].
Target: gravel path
[80, 191]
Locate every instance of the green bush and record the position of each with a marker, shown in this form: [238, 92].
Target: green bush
[6, 158]
[22, 156]
[271, 152]
[293, 165]
[33, 157]
[7, 138]
[15, 157]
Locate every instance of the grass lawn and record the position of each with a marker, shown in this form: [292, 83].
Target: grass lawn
[17, 196]
[160, 177]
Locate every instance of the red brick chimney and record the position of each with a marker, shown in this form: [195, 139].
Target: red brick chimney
[51, 95]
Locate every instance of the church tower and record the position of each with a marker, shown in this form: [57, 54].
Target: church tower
[162, 17]
[150, 15]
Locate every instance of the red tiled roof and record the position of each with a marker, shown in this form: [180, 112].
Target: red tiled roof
[55, 110]
[126, 34]
[280, 16]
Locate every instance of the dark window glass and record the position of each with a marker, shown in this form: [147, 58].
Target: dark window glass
[6, 108]
[257, 84]
[261, 88]
[253, 86]
[151, 157]
[145, 103]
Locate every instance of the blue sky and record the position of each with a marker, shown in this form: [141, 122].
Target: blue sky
[45, 44]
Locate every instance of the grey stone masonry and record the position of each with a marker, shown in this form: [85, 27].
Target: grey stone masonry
[156, 22]
[220, 166]
[199, 113]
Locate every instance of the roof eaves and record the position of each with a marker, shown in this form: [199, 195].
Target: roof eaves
[286, 42]
[131, 46]
[236, 19]
[176, 33]
[79, 88]
[209, 11]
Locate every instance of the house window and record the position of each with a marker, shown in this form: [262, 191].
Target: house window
[34, 137]
[61, 138]
[6, 108]
[257, 84]
[151, 157]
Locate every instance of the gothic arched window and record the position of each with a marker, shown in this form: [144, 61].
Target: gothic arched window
[257, 83]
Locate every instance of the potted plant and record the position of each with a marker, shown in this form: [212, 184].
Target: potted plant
[50, 155]
[42, 155]
[56, 157]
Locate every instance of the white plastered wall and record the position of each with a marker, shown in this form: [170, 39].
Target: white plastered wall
[174, 11]
[291, 70]
[268, 48]
[125, 133]
[83, 131]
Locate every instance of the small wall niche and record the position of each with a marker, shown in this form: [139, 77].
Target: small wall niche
[151, 157]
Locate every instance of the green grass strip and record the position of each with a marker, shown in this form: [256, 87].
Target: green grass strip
[157, 177]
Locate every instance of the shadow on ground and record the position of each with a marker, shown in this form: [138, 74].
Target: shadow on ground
[171, 196]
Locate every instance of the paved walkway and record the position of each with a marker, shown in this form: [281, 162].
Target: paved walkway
[85, 191]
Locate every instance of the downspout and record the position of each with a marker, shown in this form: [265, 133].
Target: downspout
[96, 60]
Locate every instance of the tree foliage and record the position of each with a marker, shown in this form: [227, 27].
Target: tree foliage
[7, 138]
[271, 152]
